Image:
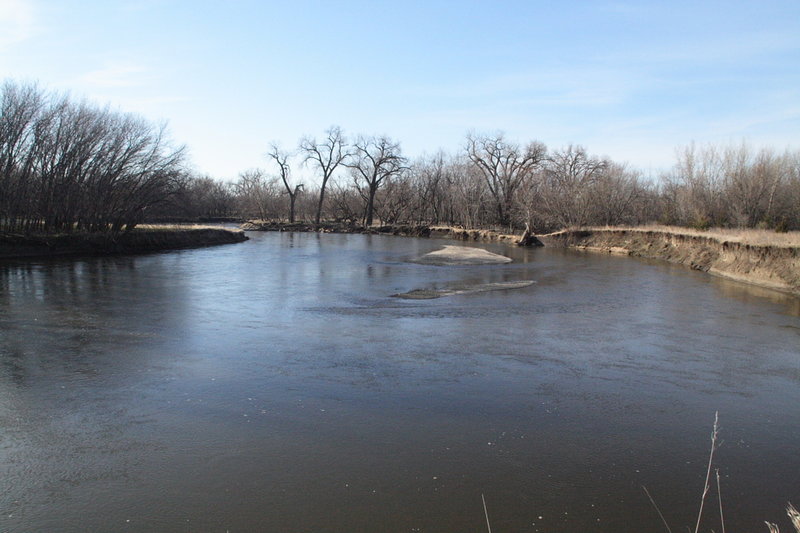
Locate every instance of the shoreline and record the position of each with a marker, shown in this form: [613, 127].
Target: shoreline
[771, 266]
[774, 265]
[141, 240]
[402, 230]
[763, 259]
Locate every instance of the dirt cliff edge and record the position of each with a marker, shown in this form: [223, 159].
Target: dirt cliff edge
[774, 267]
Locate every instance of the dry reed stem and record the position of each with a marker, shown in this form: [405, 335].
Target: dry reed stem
[719, 497]
[486, 513]
[794, 516]
[664, 520]
[714, 434]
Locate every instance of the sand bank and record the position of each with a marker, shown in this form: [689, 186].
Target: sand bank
[452, 255]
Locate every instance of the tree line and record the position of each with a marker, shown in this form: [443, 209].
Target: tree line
[70, 165]
[495, 182]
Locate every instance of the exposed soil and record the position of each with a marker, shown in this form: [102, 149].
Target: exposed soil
[775, 267]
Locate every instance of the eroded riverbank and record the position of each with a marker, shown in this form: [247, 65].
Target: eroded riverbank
[774, 266]
[764, 259]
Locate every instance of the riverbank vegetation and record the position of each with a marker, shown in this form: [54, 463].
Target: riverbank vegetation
[497, 183]
[69, 165]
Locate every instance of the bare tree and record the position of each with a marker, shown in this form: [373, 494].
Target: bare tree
[201, 197]
[568, 193]
[67, 165]
[433, 178]
[374, 161]
[346, 204]
[258, 194]
[504, 166]
[394, 201]
[615, 193]
[326, 156]
[470, 195]
[281, 157]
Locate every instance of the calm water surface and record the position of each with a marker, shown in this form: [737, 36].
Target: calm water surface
[275, 385]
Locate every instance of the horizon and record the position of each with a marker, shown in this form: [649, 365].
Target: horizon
[630, 81]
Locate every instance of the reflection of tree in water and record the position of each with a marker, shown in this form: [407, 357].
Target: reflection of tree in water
[79, 317]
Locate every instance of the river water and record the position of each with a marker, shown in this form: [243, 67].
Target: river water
[276, 385]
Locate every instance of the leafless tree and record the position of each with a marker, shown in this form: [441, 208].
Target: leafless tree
[201, 197]
[281, 157]
[616, 193]
[259, 195]
[374, 160]
[326, 156]
[470, 196]
[346, 204]
[504, 166]
[433, 178]
[570, 176]
[395, 200]
[68, 165]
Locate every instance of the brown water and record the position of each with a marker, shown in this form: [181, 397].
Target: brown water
[275, 385]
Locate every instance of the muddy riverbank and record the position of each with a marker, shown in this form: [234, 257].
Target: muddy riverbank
[140, 240]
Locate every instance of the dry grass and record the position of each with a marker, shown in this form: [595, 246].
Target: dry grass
[753, 237]
[180, 227]
[794, 515]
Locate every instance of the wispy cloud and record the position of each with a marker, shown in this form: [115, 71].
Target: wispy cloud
[115, 76]
[567, 85]
[17, 21]
[134, 6]
[712, 50]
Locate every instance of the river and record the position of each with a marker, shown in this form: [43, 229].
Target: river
[277, 385]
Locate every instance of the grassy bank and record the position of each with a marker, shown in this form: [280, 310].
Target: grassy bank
[146, 238]
[762, 258]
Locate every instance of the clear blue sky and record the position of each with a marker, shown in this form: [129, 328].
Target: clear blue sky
[630, 80]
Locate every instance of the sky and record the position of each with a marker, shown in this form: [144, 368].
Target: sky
[632, 81]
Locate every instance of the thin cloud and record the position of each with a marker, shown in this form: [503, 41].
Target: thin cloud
[573, 85]
[121, 75]
[711, 50]
[17, 22]
[135, 6]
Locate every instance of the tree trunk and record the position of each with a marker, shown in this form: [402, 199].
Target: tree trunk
[319, 205]
[370, 206]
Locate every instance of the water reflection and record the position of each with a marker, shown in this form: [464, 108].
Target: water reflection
[271, 384]
[748, 294]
